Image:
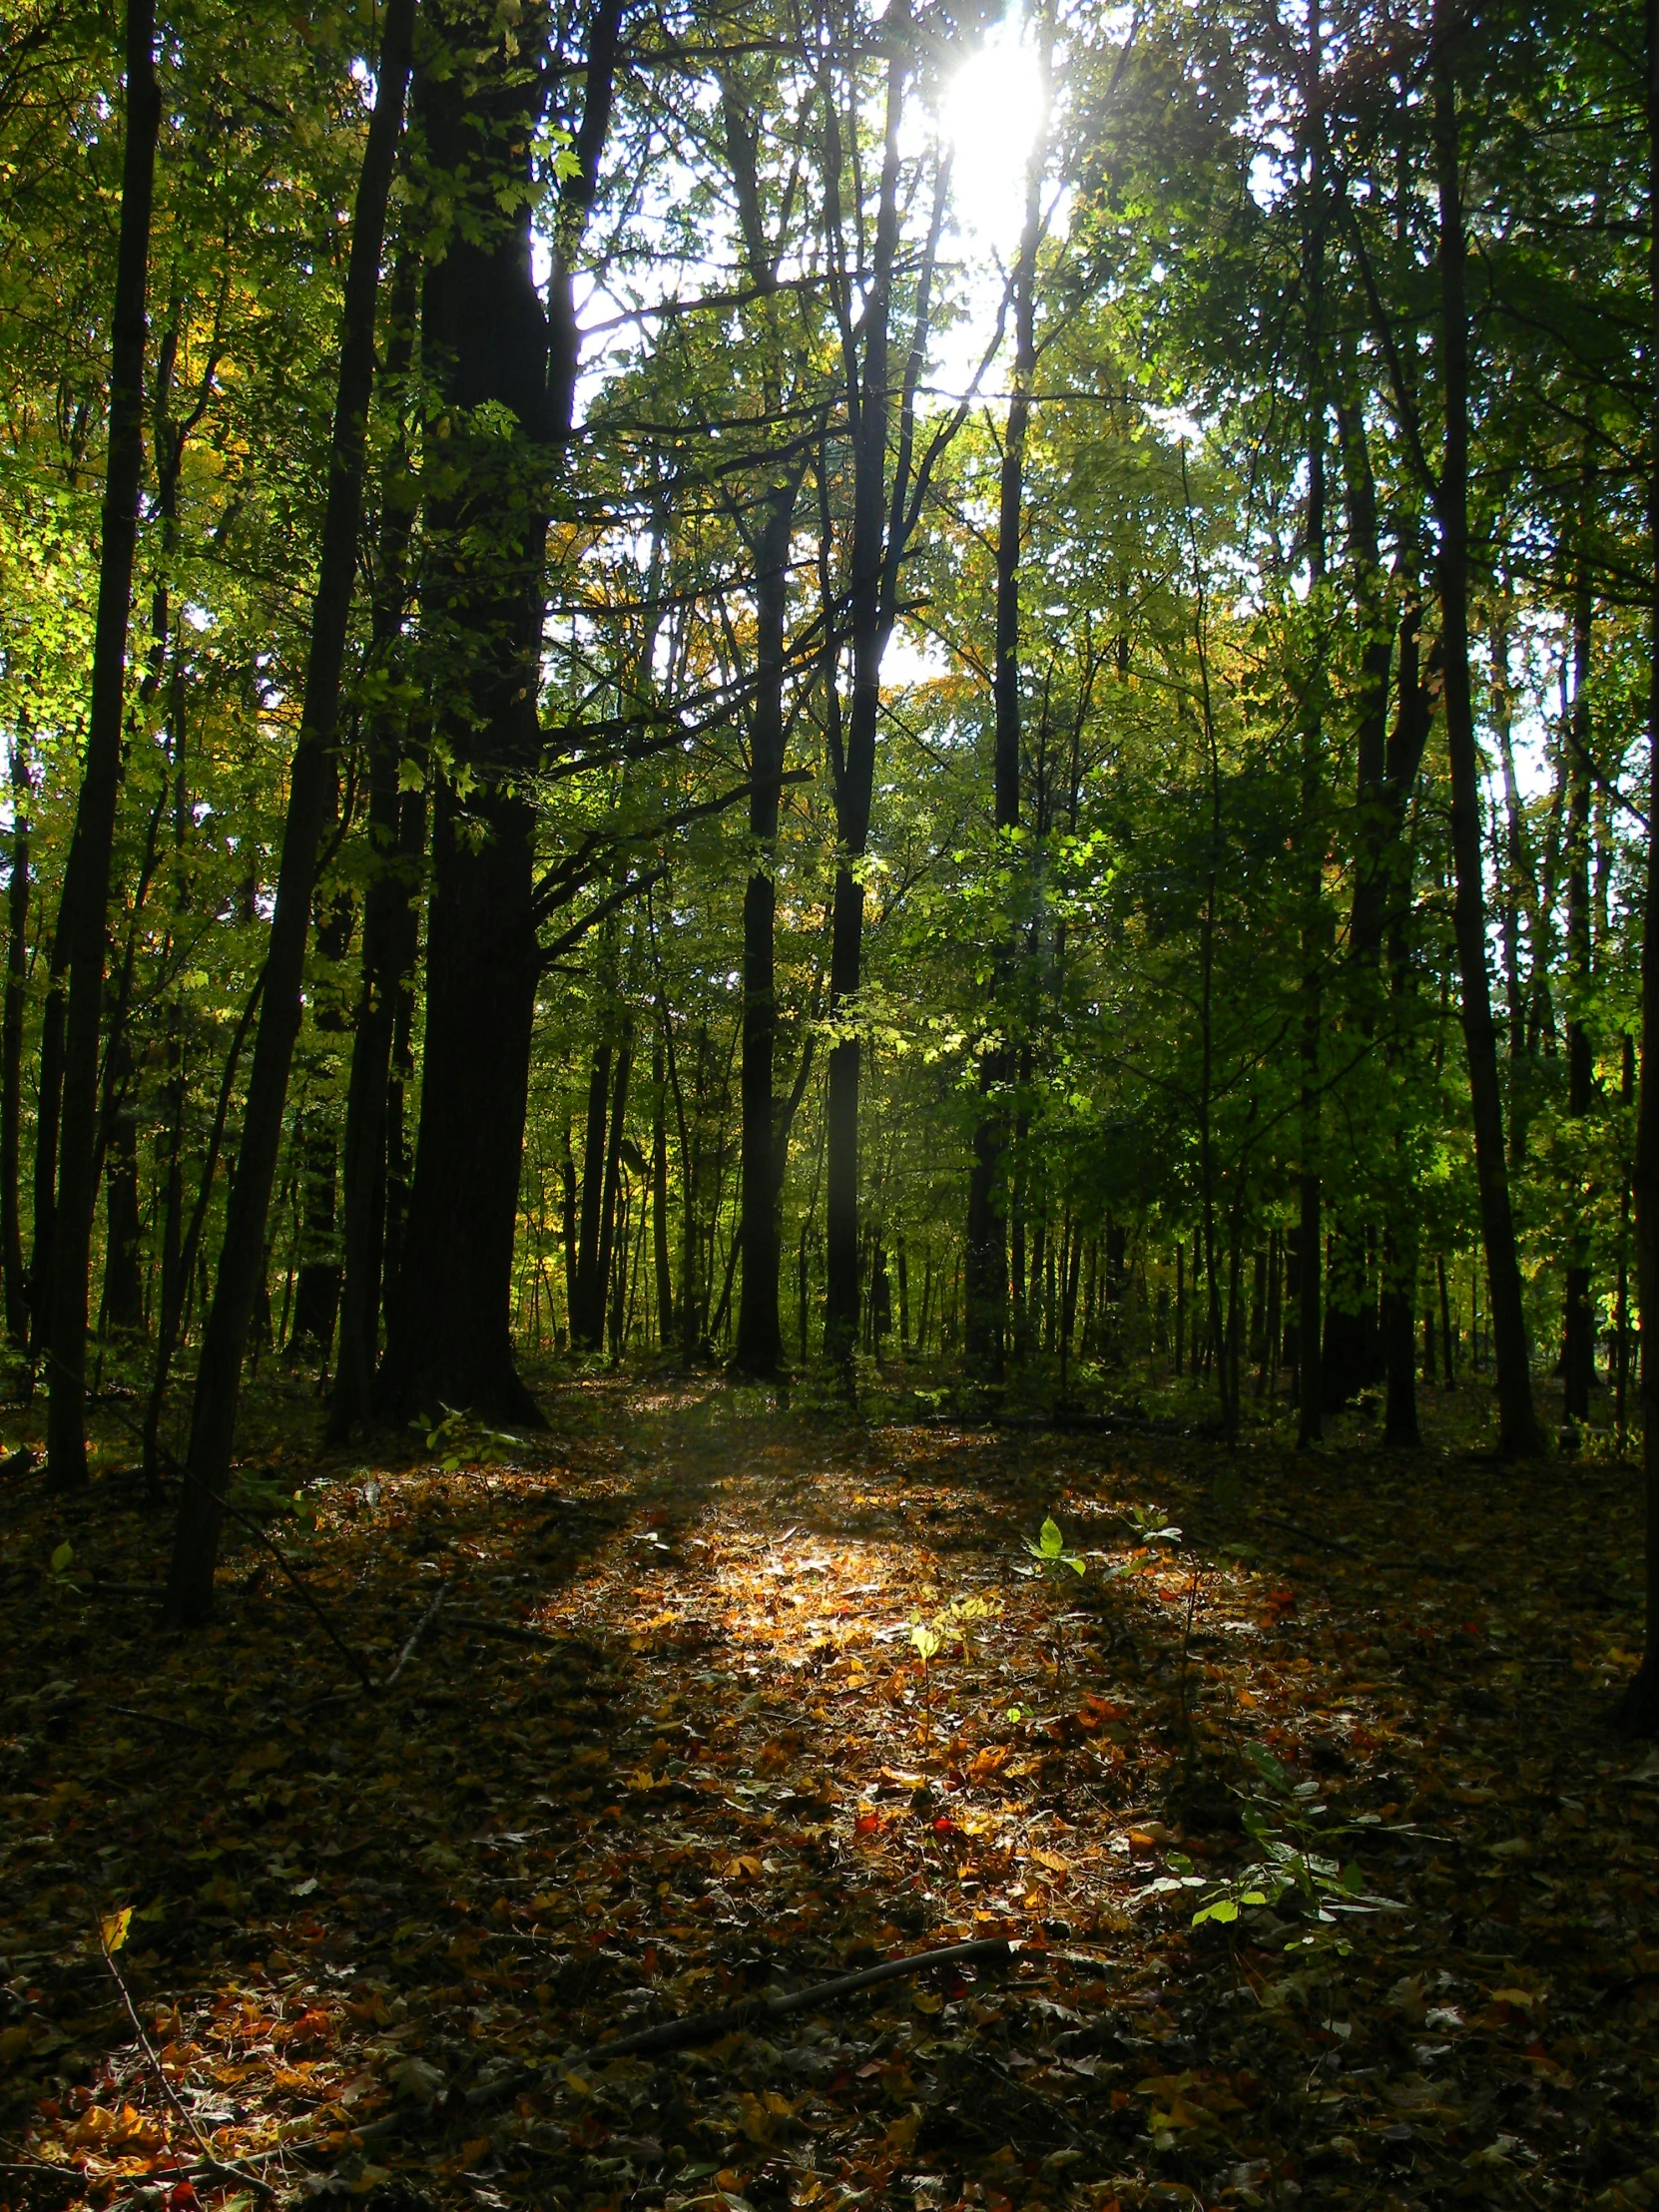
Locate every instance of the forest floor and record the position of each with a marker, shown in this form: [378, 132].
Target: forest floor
[375, 1934]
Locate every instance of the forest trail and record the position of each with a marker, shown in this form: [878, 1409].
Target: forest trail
[720, 1700]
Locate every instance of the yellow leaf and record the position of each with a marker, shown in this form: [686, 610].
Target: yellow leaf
[114, 1925]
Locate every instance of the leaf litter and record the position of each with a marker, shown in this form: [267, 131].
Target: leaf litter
[1285, 1778]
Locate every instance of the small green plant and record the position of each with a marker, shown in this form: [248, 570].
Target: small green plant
[1049, 1552]
[1295, 1863]
[460, 1442]
[263, 1497]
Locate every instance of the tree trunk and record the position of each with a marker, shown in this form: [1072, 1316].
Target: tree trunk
[760, 1337]
[311, 789]
[659, 1192]
[396, 835]
[588, 1299]
[1578, 1318]
[883, 514]
[495, 357]
[986, 1254]
[84, 919]
[11, 1052]
[123, 1303]
[1639, 1706]
[1520, 1434]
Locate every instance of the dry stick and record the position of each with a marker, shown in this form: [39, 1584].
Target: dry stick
[706, 2027]
[509, 1629]
[419, 1629]
[162, 1720]
[209, 2158]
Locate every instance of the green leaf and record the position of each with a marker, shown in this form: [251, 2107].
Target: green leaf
[62, 1556]
[1224, 1908]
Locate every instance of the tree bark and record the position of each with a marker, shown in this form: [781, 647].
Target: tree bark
[759, 1343]
[985, 1271]
[310, 788]
[1578, 1318]
[1519, 1435]
[85, 916]
[11, 1051]
[1639, 1706]
[487, 345]
[397, 836]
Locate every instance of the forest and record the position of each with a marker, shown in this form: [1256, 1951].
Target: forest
[827, 878]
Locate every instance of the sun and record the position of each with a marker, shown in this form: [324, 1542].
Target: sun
[993, 108]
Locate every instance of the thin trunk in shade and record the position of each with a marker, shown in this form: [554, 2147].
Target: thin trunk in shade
[311, 789]
[11, 1052]
[84, 917]
[1639, 1706]
[1520, 1434]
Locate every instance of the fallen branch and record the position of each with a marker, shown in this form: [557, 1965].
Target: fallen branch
[419, 1629]
[208, 2162]
[164, 1719]
[510, 1630]
[708, 2027]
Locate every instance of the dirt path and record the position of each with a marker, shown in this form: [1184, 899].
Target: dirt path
[780, 1702]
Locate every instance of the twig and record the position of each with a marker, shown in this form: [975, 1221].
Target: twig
[419, 1629]
[164, 1719]
[706, 2027]
[213, 2165]
[510, 1629]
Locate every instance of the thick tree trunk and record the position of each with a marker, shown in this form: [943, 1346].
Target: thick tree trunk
[496, 357]
[760, 1337]
[311, 789]
[11, 1052]
[84, 920]
[1520, 1434]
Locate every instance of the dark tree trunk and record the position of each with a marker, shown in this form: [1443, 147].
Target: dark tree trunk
[311, 791]
[659, 1193]
[1578, 1318]
[1639, 1706]
[985, 1271]
[396, 837]
[608, 1219]
[1315, 928]
[11, 1053]
[486, 346]
[123, 1302]
[84, 919]
[1520, 1434]
[760, 1337]
[588, 1300]
[318, 1282]
[884, 511]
